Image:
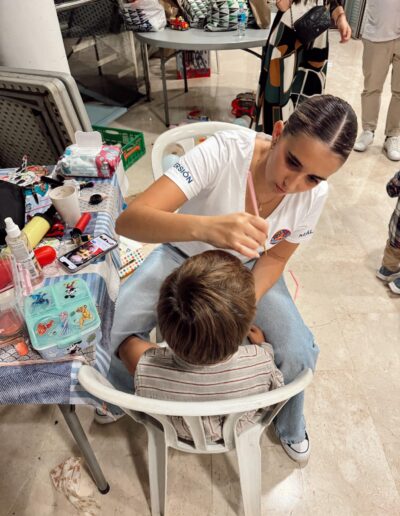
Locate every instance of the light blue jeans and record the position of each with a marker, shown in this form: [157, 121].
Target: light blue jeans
[277, 316]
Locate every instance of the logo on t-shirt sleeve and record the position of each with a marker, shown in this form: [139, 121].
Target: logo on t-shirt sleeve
[185, 173]
[306, 233]
[279, 236]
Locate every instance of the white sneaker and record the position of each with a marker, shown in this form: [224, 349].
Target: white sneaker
[395, 286]
[392, 148]
[102, 418]
[299, 452]
[365, 139]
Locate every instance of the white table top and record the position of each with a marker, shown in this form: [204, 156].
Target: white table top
[198, 39]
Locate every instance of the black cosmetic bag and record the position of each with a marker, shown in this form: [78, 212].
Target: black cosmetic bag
[12, 204]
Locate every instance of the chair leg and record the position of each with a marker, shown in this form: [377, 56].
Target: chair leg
[158, 463]
[249, 458]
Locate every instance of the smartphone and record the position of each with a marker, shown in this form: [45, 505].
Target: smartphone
[86, 253]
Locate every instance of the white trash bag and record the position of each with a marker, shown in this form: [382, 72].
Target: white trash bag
[144, 16]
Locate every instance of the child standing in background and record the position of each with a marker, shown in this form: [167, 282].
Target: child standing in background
[390, 269]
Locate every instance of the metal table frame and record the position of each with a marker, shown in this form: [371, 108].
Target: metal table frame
[72, 420]
[193, 39]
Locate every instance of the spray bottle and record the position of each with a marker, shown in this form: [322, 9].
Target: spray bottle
[27, 264]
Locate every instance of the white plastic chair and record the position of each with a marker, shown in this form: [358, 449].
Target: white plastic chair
[155, 416]
[186, 136]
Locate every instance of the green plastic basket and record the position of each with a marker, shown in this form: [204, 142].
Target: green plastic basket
[132, 142]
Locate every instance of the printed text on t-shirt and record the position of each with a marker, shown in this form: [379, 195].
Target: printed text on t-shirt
[185, 173]
[306, 233]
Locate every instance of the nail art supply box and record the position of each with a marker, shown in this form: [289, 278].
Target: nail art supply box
[62, 319]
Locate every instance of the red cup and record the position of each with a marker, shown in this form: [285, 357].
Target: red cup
[6, 275]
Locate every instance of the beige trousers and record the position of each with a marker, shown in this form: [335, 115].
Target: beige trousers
[391, 258]
[377, 58]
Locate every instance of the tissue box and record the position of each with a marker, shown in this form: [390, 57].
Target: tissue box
[88, 157]
[62, 319]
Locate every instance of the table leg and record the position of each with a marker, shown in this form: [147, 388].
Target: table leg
[184, 71]
[164, 84]
[249, 51]
[146, 69]
[131, 41]
[72, 420]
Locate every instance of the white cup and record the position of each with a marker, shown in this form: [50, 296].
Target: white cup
[66, 201]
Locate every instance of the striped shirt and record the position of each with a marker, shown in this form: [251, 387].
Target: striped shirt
[160, 374]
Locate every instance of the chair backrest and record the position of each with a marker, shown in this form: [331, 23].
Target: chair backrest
[140, 408]
[187, 137]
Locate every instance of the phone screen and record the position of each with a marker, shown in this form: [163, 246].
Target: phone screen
[87, 252]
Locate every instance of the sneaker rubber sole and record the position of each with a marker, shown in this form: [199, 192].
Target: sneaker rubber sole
[391, 277]
[301, 457]
[394, 288]
[362, 143]
[392, 151]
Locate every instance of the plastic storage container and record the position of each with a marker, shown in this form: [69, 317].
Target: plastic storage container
[132, 143]
[62, 319]
[12, 325]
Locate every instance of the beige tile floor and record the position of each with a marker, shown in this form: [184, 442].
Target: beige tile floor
[353, 405]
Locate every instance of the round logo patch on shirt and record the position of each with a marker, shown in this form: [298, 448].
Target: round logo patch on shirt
[280, 235]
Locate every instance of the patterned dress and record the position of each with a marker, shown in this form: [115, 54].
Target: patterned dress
[290, 72]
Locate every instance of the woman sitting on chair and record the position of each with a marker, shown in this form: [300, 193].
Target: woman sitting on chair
[210, 188]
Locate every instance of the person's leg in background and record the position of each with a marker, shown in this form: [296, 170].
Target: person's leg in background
[295, 350]
[376, 62]
[310, 77]
[280, 62]
[390, 269]
[391, 261]
[261, 116]
[268, 96]
[392, 130]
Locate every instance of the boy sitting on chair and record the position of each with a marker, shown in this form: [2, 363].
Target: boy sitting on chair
[205, 310]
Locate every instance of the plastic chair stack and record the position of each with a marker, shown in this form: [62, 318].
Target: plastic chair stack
[39, 114]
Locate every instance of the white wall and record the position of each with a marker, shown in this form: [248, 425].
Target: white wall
[30, 36]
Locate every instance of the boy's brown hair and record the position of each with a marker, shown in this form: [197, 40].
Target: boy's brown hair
[206, 307]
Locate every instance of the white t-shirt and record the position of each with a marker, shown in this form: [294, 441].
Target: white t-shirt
[382, 20]
[213, 177]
